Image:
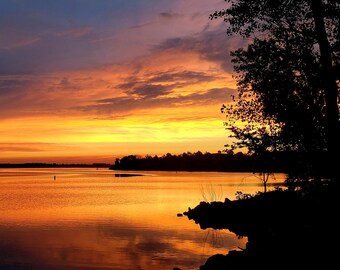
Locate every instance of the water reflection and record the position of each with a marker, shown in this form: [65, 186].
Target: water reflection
[90, 219]
[99, 246]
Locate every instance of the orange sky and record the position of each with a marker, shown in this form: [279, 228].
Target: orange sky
[91, 85]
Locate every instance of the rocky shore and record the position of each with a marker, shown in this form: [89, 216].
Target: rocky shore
[285, 229]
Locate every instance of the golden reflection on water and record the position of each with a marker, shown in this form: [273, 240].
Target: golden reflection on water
[89, 218]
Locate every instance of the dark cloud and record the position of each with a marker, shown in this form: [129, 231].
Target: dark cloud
[141, 25]
[128, 103]
[186, 76]
[210, 45]
[163, 83]
[174, 77]
[151, 90]
[169, 15]
[132, 82]
[212, 96]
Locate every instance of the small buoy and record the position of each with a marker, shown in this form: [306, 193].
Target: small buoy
[54, 178]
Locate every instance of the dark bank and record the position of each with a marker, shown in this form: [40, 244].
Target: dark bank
[272, 221]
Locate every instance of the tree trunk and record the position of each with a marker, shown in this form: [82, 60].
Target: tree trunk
[330, 89]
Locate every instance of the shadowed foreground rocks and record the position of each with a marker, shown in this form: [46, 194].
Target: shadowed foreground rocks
[285, 230]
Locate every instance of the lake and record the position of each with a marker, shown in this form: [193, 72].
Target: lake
[81, 218]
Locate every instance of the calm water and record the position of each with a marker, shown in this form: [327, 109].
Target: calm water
[90, 219]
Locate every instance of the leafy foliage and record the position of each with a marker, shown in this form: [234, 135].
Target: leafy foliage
[285, 102]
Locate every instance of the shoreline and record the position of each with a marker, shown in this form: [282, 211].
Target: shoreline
[284, 229]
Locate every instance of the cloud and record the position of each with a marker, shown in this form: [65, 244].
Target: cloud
[74, 32]
[33, 95]
[174, 77]
[213, 45]
[9, 85]
[169, 15]
[179, 71]
[104, 72]
[188, 76]
[163, 83]
[141, 25]
[16, 42]
[128, 103]
[151, 90]
[114, 89]
[60, 37]
[27, 147]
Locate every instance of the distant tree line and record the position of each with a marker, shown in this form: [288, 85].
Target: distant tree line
[52, 165]
[222, 162]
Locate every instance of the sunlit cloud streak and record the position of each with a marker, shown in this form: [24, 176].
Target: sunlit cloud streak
[152, 101]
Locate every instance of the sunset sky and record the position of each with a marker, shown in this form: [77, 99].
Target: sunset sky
[89, 81]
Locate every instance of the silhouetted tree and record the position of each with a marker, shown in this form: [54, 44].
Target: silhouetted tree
[288, 79]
